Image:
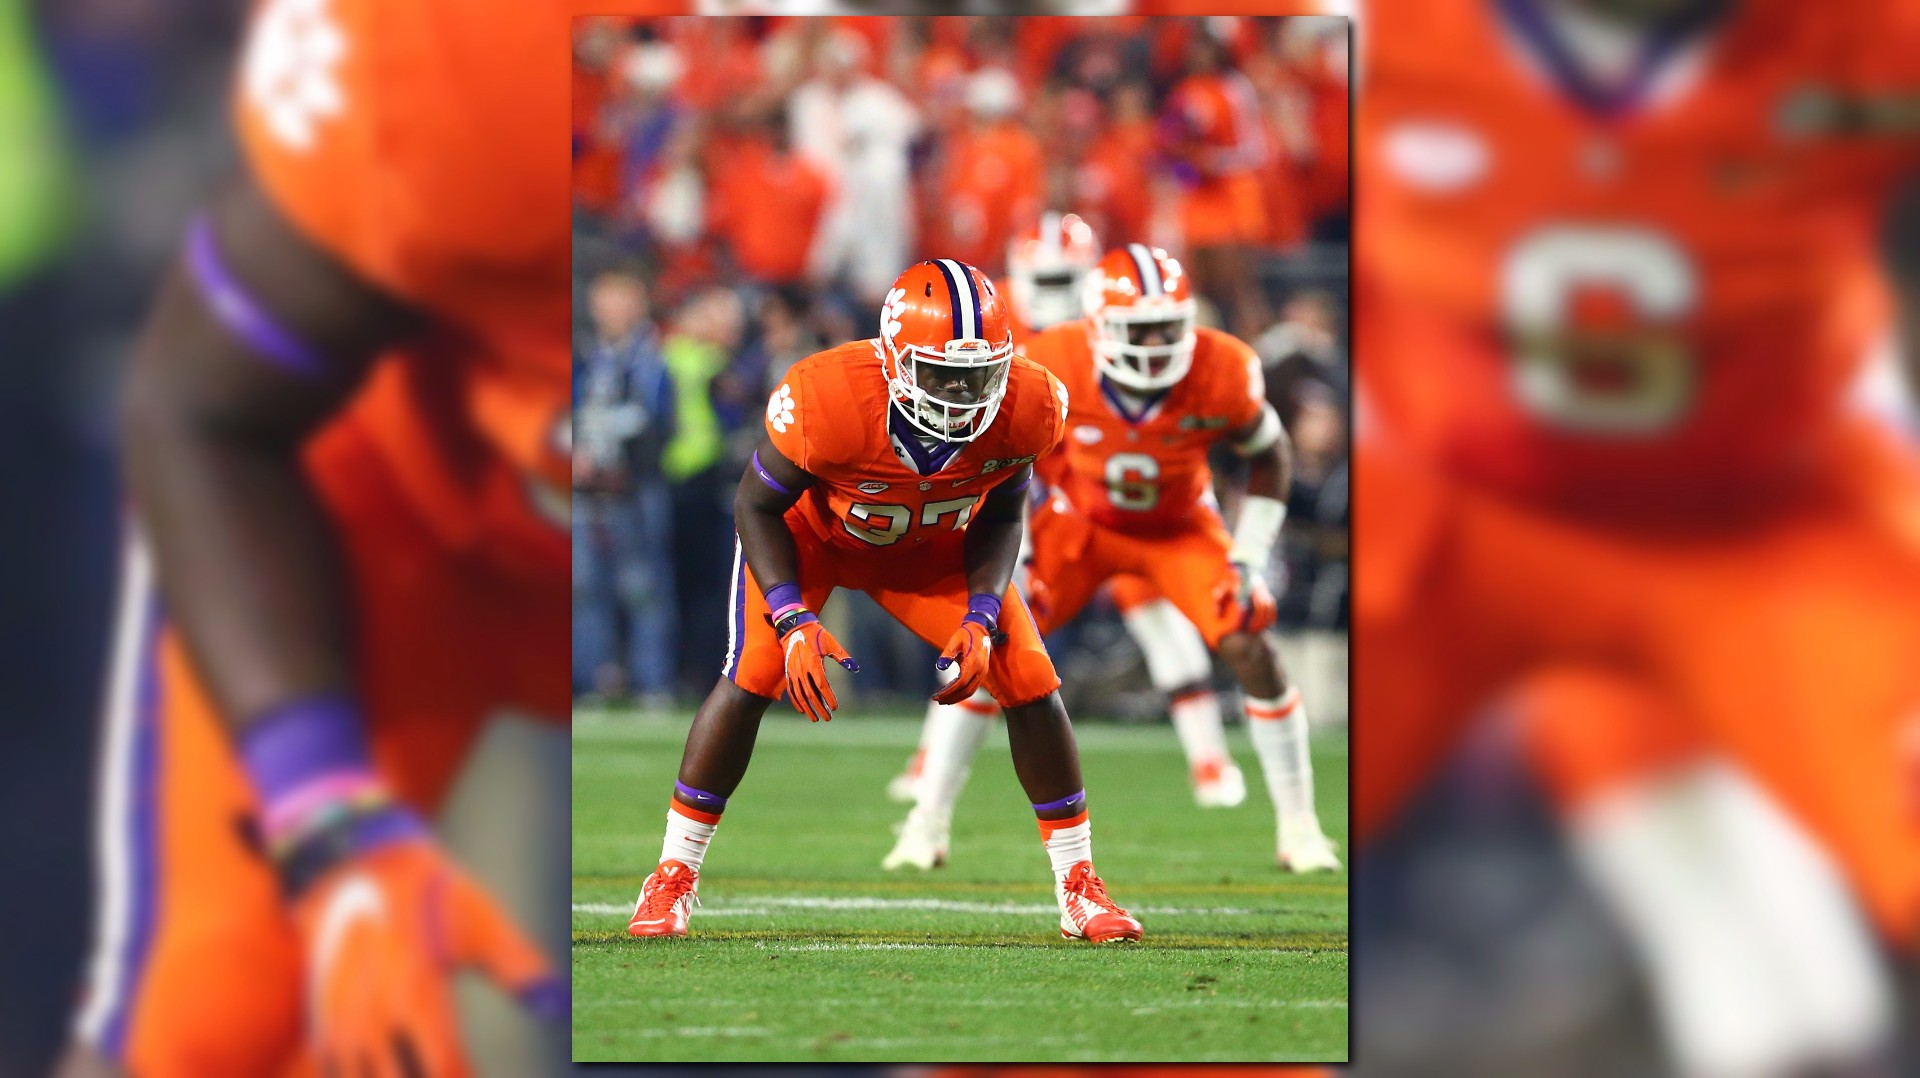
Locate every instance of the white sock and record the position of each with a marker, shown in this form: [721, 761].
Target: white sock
[1746, 979]
[953, 736]
[1067, 846]
[1196, 718]
[687, 838]
[1279, 731]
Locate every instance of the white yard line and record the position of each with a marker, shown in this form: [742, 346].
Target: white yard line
[762, 904]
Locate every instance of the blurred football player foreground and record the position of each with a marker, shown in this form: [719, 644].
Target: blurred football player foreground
[1614, 277]
[1128, 501]
[897, 466]
[345, 433]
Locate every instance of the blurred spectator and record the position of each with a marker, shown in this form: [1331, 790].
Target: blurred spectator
[857, 128]
[990, 176]
[1107, 187]
[767, 203]
[1211, 131]
[596, 156]
[702, 344]
[624, 415]
[785, 337]
[1315, 545]
[1304, 347]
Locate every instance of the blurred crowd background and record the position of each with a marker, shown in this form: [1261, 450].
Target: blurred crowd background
[745, 189]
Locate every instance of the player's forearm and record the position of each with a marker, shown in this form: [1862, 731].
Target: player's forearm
[767, 544]
[992, 551]
[992, 545]
[245, 557]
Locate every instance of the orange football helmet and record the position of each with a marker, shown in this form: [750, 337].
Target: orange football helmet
[1140, 310]
[1047, 266]
[947, 341]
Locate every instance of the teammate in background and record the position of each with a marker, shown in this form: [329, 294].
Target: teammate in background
[345, 444]
[1149, 393]
[1047, 268]
[896, 465]
[1615, 271]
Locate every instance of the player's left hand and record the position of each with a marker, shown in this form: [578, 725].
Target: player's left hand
[384, 931]
[970, 646]
[1251, 597]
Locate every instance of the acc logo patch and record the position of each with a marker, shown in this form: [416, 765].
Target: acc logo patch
[872, 487]
[1202, 422]
[1088, 435]
[1437, 155]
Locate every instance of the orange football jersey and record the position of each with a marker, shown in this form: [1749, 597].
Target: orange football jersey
[1642, 303]
[406, 140]
[833, 417]
[1147, 473]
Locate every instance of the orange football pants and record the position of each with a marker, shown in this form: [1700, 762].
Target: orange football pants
[925, 589]
[196, 969]
[1073, 556]
[1786, 644]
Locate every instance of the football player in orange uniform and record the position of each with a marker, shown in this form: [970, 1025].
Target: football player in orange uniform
[898, 466]
[1615, 274]
[1149, 393]
[1047, 269]
[346, 445]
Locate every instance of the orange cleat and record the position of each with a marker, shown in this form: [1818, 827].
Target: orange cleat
[666, 901]
[1086, 913]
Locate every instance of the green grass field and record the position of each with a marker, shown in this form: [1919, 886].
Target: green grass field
[805, 950]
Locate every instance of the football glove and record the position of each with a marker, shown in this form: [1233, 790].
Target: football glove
[1248, 594]
[383, 932]
[808, 645]
[971, 647]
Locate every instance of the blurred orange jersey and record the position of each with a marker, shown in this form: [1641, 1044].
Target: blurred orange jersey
[878, 487]
[1571, 293]
[1146, 471]
[404, 139]
[1222, 119]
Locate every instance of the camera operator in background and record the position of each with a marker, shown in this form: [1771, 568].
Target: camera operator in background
[622, 510]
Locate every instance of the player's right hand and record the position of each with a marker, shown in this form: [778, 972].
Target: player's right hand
[383, 932]
[971, 649]
[808, 645]
[1250, 597]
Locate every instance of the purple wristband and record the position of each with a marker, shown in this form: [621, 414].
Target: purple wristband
[240, 313]
[302, 742]
[765, 478]
[984, 609]
[781, 596]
